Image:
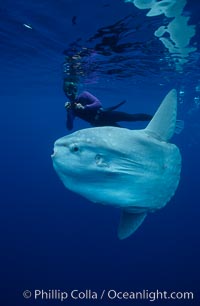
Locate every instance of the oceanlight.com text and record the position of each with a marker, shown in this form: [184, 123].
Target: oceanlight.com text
[109, 295]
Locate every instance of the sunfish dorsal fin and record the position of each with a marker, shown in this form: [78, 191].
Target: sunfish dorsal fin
[163, 123]
[129, 222]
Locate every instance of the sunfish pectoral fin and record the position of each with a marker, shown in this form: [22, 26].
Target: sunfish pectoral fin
[129, 222]
[163, 123]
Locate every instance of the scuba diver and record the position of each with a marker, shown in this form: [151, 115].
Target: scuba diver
[89, 108]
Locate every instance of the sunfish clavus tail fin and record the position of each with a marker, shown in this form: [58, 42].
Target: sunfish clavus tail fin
[129, 223]
[163, 123]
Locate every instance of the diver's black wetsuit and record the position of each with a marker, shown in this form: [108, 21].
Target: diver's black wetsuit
[110, 118]
[98, 116]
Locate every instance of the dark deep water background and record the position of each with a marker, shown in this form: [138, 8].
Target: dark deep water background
[50, 237]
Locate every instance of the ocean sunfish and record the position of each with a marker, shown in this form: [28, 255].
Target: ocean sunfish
[135, 170]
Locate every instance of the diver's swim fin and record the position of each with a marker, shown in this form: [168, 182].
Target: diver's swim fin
[115, 106]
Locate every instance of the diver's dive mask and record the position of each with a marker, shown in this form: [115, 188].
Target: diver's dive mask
[70, 88]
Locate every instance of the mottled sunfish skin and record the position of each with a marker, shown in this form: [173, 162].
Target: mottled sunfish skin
[135, 170]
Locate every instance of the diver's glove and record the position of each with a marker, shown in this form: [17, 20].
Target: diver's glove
[79, 106]
[68, 105]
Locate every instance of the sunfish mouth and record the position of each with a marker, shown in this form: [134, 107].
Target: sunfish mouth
[54, 153]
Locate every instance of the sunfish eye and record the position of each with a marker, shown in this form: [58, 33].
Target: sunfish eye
[74, 148]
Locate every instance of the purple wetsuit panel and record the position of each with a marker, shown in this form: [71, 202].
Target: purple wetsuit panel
[88, 100]
[91, 104]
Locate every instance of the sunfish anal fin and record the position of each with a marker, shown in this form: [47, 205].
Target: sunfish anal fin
[163, 123]
[129, 222]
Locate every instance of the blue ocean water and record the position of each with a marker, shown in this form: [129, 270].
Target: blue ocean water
[51, 238]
